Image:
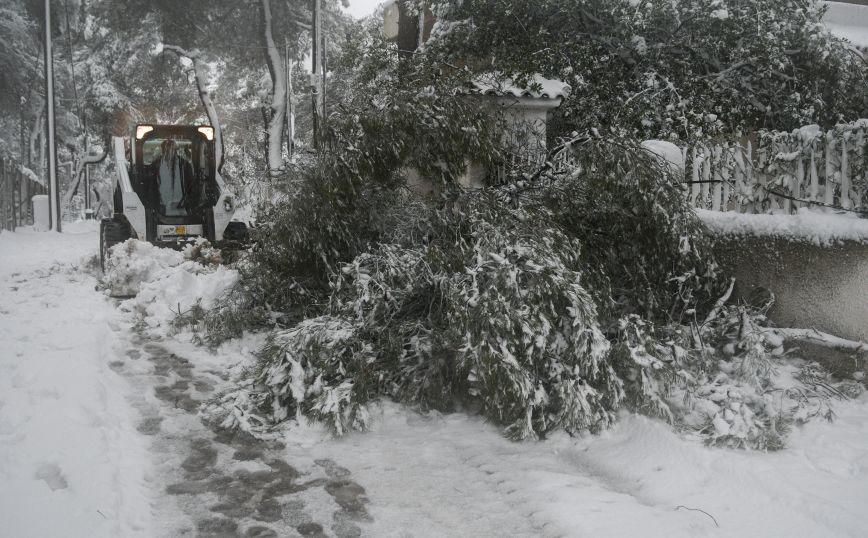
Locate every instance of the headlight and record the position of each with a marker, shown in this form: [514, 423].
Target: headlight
[207, 131]
[227, 205]
[142, 130]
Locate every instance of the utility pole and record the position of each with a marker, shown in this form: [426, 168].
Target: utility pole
[316, 69]
[86, 172]
[53, 187]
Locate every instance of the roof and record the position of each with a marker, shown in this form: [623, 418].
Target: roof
[538, 87]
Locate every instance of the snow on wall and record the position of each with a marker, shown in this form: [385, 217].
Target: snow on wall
[820, 229]
[816, 265]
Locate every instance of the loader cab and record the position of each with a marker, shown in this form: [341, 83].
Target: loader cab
[173, 172]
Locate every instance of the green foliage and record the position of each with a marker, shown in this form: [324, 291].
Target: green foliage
[547, 302]
[643, 247]
[485, 314]
[666, 69]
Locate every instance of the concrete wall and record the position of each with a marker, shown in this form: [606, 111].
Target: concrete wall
[814, 286]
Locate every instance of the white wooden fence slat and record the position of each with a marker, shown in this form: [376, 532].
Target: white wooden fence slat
[829, 180]
[716, 191]
[845, 173]
[738, 174]
[798, 180]
[706, 178]
[725, 175]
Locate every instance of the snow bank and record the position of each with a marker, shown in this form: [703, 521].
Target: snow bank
[821, 229]
[668, 152]
[166, 283]
[178, 290]
[133, 262]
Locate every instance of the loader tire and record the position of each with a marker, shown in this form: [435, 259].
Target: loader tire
[236, 231]
[111, 232]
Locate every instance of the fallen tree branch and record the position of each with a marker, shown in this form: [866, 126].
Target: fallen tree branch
[720, 302]
[698, 510]
[814, 336]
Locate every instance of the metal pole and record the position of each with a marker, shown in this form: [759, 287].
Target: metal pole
[314, 71]
[86, 172]
[323, 67]
[319, 52]
[53, 190]
[287, 66]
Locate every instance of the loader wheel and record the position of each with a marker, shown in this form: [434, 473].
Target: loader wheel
[236, 231]
[111, 232]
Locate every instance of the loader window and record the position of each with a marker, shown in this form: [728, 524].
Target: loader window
[178, 171]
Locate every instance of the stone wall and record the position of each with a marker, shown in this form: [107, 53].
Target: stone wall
[825, 287]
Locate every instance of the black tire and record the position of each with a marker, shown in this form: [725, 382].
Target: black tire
[111, 232]
[235, 231]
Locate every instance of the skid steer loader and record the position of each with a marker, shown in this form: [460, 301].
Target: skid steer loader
[168, 190]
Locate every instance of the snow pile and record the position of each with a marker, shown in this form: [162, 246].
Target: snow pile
[133, 262]
[821, 229]
[178, 291]
[167, 283]
[667, 152]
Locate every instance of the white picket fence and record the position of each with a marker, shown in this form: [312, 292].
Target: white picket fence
[783, 172]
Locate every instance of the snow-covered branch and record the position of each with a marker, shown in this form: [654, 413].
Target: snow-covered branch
[820, 338]
[720, 302]
[79, 173]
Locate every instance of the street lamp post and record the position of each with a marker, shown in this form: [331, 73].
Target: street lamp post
[53, 190]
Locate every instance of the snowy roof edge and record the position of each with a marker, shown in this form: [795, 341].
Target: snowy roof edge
[499, 85]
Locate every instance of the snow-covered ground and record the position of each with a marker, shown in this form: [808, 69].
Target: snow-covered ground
[99, 437]
[71, 463]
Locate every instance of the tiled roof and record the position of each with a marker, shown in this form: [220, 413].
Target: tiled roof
[537, 88]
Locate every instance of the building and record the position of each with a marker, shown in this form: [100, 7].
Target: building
[527, 107]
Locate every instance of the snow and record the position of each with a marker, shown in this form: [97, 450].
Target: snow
[806, 225]
[132, 263]
[163, 282]
[73, 465]
[848, 21]
[496, 84]
[668, 152]
[454, 475]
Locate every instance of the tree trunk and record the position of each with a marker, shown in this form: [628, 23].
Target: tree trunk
[35, 135]
[277, 113]
[205, 97]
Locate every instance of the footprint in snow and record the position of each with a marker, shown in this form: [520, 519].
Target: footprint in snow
[51, 474]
